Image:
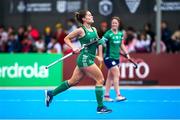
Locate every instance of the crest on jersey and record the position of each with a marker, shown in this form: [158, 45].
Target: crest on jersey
[132, 5]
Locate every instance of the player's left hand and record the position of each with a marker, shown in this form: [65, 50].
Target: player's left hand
[128, 57]
[100, 59]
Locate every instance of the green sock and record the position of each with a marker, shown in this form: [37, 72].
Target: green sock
[99, 95]
[64, 86]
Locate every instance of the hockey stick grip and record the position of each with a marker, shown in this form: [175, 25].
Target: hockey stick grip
[130, 60]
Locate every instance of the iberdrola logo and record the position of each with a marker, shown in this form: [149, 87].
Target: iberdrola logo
[19, 71]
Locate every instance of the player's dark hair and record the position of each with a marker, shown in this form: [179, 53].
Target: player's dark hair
[80, 15]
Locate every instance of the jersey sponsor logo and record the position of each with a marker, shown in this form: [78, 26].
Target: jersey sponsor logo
[116, 42]
[110, 34]
[116, 37]
[85, 56]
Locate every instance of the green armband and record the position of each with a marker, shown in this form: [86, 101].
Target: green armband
[102, 41]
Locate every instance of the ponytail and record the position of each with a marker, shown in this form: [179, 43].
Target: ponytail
[80, 15]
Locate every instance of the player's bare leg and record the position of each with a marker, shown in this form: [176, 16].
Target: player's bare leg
[115, 76]
[108, 87]
[95, 73]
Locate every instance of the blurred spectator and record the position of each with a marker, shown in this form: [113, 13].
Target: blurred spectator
[47, 36]
[26, 45]
[3, 39]
[60, 34]
[130, 39]
[71, 27]
[166, 36]
[142, 43]
[40, 45]
[13, 44]
[176, 40]
[103, 29]
[33, 33]
[149, 32]
[11, 30]
[28, 41]
[54, 46]
[162, 47]
[71, 23]
[21, 33]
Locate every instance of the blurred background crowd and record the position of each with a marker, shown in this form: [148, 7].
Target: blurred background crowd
[40, 26]
[25, 39]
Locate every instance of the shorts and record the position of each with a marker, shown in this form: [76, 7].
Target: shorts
[109, 62]
[84, 60]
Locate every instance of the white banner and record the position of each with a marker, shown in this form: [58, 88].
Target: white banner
[34, 7]
[169, 6]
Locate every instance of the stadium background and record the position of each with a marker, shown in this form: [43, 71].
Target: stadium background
[10, 15]
[43, 13]
[24, 69]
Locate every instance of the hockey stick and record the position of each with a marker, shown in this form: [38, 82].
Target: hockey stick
[130, 60]
[70, 54]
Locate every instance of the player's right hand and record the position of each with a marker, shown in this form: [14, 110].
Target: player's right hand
[76, 50]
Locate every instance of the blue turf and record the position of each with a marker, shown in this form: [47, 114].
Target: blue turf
[80, 104]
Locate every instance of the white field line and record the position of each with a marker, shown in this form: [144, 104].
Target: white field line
[78, 100]
[90, 87]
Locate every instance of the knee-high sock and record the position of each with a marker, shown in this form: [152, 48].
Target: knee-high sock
[99, 95]
[64, 86]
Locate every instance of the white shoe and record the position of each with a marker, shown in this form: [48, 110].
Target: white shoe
[108, 99]
[120, 98]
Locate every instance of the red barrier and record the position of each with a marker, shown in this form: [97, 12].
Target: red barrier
[152, 69]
